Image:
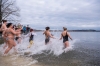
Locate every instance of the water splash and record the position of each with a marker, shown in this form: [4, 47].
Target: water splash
[55, 47]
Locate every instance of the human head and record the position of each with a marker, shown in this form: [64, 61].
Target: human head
[31, 30]
[64, 28]
[47, 28]
[9, 25]
[4, 21]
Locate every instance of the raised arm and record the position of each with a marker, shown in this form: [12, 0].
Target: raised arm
[69, 36]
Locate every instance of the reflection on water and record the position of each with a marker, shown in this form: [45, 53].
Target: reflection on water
[83, 51]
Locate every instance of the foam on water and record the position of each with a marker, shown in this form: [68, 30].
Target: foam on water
[55, 46]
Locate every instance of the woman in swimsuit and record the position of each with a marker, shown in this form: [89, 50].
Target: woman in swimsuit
[10, 34]
[65, 36]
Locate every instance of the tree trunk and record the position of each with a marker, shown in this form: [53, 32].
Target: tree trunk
[0, 11]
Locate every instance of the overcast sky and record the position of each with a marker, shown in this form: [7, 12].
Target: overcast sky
[73, 14]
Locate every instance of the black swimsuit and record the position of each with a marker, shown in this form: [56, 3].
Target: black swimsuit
[31, 38]
[65, 38]
[47, 40]
[17, 38]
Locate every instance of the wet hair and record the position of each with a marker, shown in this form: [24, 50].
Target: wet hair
[8, 25]
[64, 28]
[4, 21]
[47, 28]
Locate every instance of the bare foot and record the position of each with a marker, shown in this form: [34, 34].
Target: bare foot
[4, 55]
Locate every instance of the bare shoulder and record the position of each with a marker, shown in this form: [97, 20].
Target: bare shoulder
[68, 33]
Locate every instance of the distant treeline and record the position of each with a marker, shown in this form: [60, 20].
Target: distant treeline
[70, 30]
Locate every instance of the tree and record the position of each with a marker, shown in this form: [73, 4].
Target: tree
[9, 10]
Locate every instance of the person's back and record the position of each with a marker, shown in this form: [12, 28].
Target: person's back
[65, 36]
[47, 34]
[64, 33]
[3, 27]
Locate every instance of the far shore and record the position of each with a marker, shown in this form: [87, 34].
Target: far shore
[70, 30]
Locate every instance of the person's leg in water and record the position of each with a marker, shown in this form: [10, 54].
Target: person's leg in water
[6, 44]
[66, 44]
[31, 43]
[11, 44]
[19, 40]
[46, 41]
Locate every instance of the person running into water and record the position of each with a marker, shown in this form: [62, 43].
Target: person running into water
[10, 34]
[18, 36]
[3, 28]
[31, 37]
[48, 35]
[65, 36]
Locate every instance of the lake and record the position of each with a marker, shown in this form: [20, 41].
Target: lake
[84, 50]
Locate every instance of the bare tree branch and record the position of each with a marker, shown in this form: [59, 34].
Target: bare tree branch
[7, 6]
[9, 14]
[9, 9]
[4, 2]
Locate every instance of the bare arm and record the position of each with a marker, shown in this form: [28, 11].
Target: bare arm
[4, 32]
[20, 29]
[2, 27]
[51, 35]
[44, 33]
[69, 36]
[61, 36]
[14, 32]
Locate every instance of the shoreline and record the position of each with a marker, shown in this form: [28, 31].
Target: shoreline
[68, 30]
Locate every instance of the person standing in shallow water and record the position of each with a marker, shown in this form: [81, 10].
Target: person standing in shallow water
[48, 35]
[65, 36]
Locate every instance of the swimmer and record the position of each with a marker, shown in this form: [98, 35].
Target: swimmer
[65, 36]
[3, 28]
[31, 37]
[10, 34]
[48, 35]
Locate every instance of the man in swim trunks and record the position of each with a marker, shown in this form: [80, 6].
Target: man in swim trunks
[65, 36]
[47, 35]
